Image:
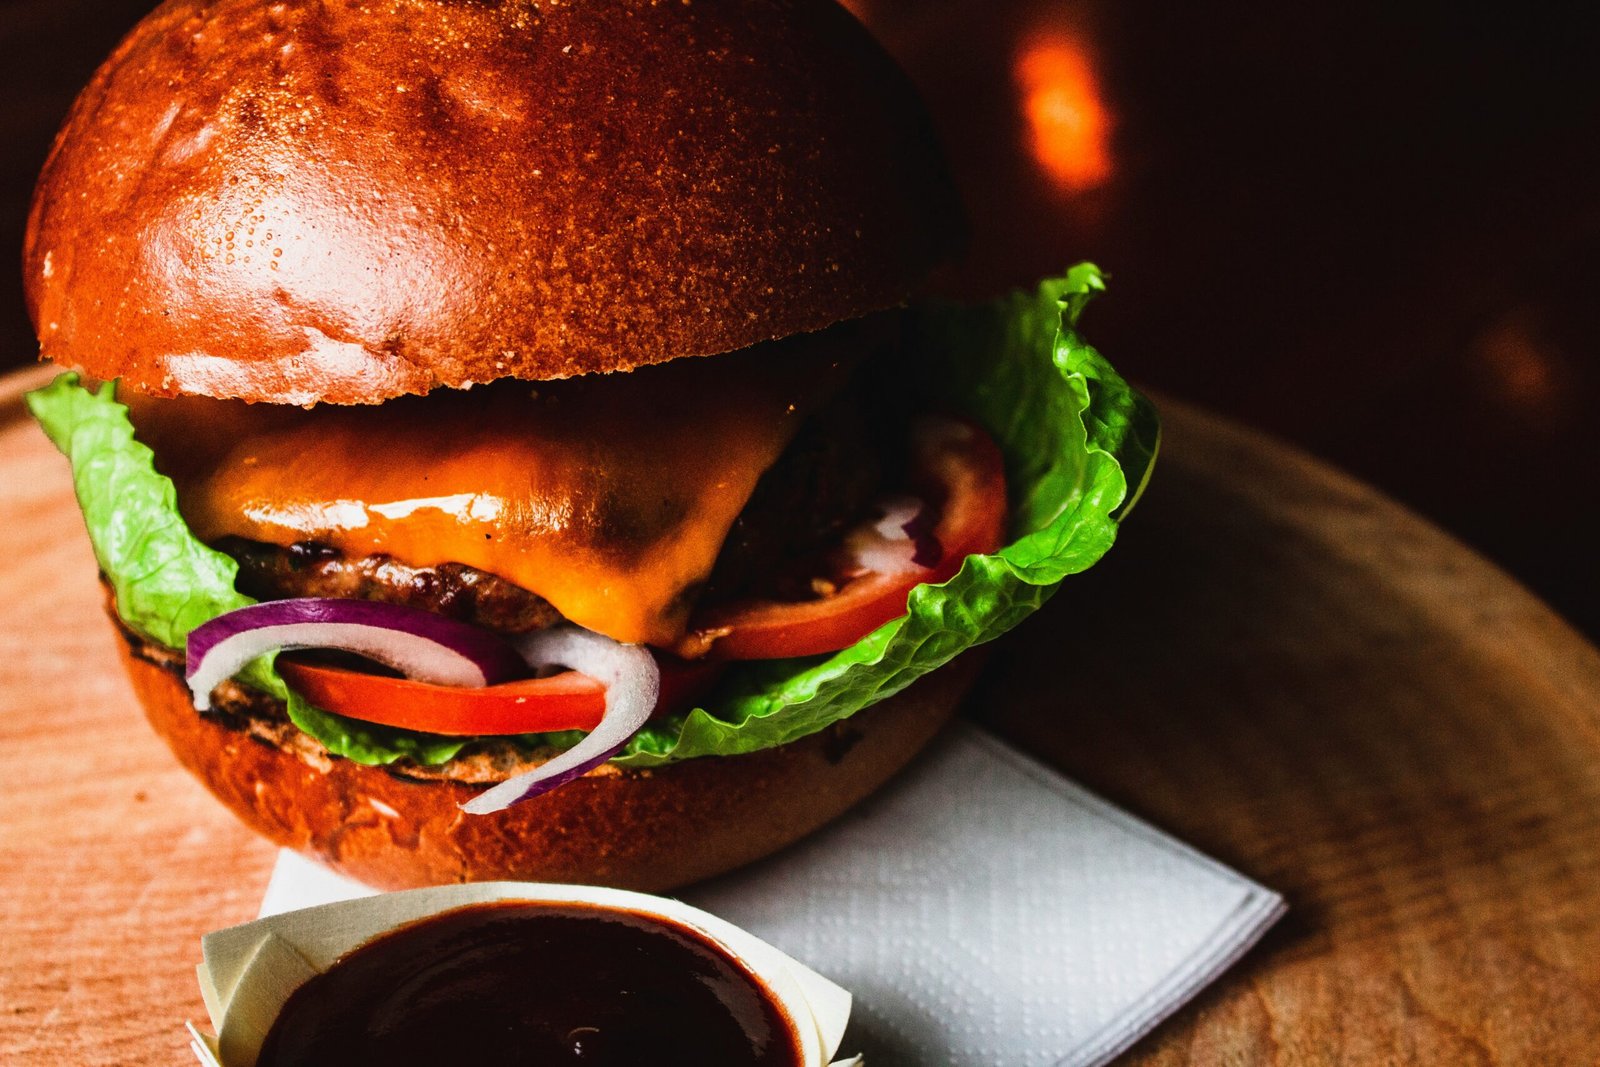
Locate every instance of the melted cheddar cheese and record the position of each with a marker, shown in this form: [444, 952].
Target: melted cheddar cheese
[608, 496]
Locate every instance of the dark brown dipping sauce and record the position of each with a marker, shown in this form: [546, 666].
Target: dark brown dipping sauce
[535, 985]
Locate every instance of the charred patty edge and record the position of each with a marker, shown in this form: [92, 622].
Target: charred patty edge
[827, 480]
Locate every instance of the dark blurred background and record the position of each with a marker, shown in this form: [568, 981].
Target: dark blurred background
[1372, 228]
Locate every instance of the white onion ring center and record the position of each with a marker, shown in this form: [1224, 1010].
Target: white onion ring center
[419, 658]
[633, 685]
[883, 546]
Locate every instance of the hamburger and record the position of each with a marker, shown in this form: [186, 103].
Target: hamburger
[510, 436]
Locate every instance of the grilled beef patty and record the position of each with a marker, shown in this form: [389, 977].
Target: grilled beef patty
[824, 482]
[269, 572]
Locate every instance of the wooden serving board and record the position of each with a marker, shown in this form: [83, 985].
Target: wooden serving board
[1276, 664]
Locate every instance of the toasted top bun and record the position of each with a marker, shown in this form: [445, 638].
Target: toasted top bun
[299, 201]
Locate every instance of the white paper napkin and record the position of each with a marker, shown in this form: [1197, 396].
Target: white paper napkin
[983, 910]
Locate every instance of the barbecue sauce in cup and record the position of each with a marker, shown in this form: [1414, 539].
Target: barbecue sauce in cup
[535, 984]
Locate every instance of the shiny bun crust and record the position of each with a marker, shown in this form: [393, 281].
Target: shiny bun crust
[647, 830]
[299, 201]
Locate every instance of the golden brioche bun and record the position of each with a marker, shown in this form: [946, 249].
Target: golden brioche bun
[298, 201]
[647, 830]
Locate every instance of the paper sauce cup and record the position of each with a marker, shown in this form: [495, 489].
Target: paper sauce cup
[250, 971]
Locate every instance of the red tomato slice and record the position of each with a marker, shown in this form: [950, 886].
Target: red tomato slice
[568, 701]
[958, 468]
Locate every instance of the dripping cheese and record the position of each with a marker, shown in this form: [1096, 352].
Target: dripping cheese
[608, 496]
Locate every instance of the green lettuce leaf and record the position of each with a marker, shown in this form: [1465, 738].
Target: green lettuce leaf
[1079, 444]
[165, 580]
[368, 743]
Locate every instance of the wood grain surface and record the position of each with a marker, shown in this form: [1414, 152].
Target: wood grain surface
[1276, 664]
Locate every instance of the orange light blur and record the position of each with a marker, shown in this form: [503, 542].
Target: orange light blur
[1066, 112]
[1527, 373]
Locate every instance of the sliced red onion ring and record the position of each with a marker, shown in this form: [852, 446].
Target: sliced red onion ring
[633, 683]
[419, 644]
[901, 542]
[922, 529]
[899, 513]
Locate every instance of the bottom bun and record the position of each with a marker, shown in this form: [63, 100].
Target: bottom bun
[649, 830]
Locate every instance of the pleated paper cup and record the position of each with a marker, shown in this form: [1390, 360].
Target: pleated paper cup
[250, 971]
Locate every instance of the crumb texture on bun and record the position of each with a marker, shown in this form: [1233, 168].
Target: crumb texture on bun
[646, 830]
[301, 201]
